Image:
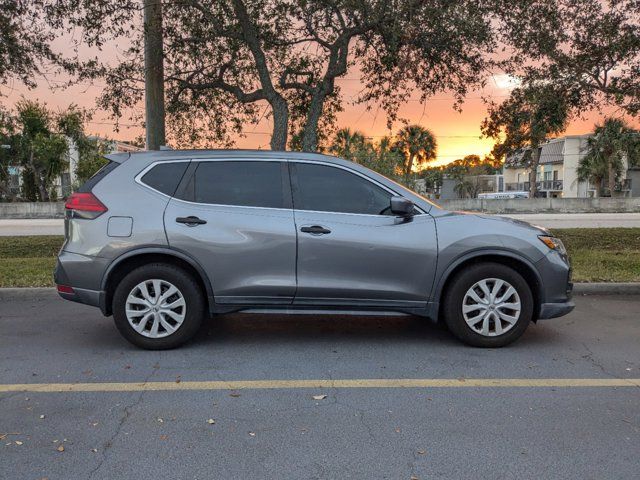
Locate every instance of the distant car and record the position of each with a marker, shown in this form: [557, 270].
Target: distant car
[162, 239]
[504, 195]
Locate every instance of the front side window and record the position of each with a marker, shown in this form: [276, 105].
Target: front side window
[324, 188]
[249, 184]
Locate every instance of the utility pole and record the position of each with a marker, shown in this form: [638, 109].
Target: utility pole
[154, 74]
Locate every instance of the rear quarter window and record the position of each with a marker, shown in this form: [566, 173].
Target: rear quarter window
[87, 186]
[165, 177]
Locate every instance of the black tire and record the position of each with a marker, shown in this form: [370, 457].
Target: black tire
[188, 287]
[454, 298]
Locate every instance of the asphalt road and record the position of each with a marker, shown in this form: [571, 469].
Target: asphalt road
[9, 227]
[455, 432]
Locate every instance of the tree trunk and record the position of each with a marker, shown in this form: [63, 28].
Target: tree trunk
[280, 124]
[154, 74]
[533, 173]
[612, 179]
[409, 164]
[44, 193]
[40, 180]
[310, 134]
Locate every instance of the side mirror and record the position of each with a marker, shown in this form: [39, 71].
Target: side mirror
[401, 206]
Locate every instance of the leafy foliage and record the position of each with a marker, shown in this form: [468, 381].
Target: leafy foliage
[418, 145]
[39, 141]
[24, 43]
[590, 48]
[612, 143]
[460, 170]
[381, 157]
[525, 120]
[230, 63]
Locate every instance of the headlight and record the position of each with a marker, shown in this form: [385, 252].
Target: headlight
[553, 243]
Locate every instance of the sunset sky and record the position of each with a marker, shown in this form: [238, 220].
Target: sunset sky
[458, 133]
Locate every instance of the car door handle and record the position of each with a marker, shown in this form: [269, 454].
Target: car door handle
[191, 221]
[315, 230]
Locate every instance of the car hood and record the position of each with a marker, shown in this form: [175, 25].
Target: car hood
[512, 221]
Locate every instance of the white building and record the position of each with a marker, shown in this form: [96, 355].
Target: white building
[557, 171]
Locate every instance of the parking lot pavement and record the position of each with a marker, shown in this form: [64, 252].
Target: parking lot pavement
[285, 433]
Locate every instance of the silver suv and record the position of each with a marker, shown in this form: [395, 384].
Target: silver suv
[160, 239]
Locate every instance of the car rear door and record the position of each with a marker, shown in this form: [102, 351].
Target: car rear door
[235, 218]
[351, 249]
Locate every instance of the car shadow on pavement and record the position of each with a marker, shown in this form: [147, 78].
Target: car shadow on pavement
[243, 327]
[274, 328]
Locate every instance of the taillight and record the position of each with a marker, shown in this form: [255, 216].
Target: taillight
[84, 205]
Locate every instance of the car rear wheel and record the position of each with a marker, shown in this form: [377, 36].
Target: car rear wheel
[488, 305]
[158, 306]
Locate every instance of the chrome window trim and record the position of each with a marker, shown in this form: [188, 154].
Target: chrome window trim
[138, 180]
[138, 177]
[369, 179]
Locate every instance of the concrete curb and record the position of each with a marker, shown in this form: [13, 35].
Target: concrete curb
[630, 288]
[7, 294]
[26, 293]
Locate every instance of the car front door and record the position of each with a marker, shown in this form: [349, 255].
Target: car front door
[351, 248]
[235, 218]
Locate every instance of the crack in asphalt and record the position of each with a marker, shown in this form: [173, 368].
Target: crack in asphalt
[127, 408]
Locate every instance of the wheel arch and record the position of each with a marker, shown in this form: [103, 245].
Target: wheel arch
[132, 259]
[510, 259]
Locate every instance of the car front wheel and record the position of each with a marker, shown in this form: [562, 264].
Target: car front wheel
[158, 306]
[488, 305]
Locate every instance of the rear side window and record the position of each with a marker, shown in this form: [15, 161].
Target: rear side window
[105, 170]
[165, 177]
[329, 189]
[248, 184]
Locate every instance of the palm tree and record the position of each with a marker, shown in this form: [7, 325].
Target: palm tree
[348, 143]
[612, 143]
[418, 145]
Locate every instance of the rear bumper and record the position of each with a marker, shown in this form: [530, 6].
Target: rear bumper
[554, 310]
[82, 295]
[72, 270]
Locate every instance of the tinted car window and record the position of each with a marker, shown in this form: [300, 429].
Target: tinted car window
[330, 189]
[165, 177]
[250, 184]
[96, 177]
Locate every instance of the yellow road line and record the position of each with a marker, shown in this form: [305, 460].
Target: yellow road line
[297, 384]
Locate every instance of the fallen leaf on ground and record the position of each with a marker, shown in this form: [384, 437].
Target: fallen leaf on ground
[319, 397]
[60, 448]
[211, 421]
